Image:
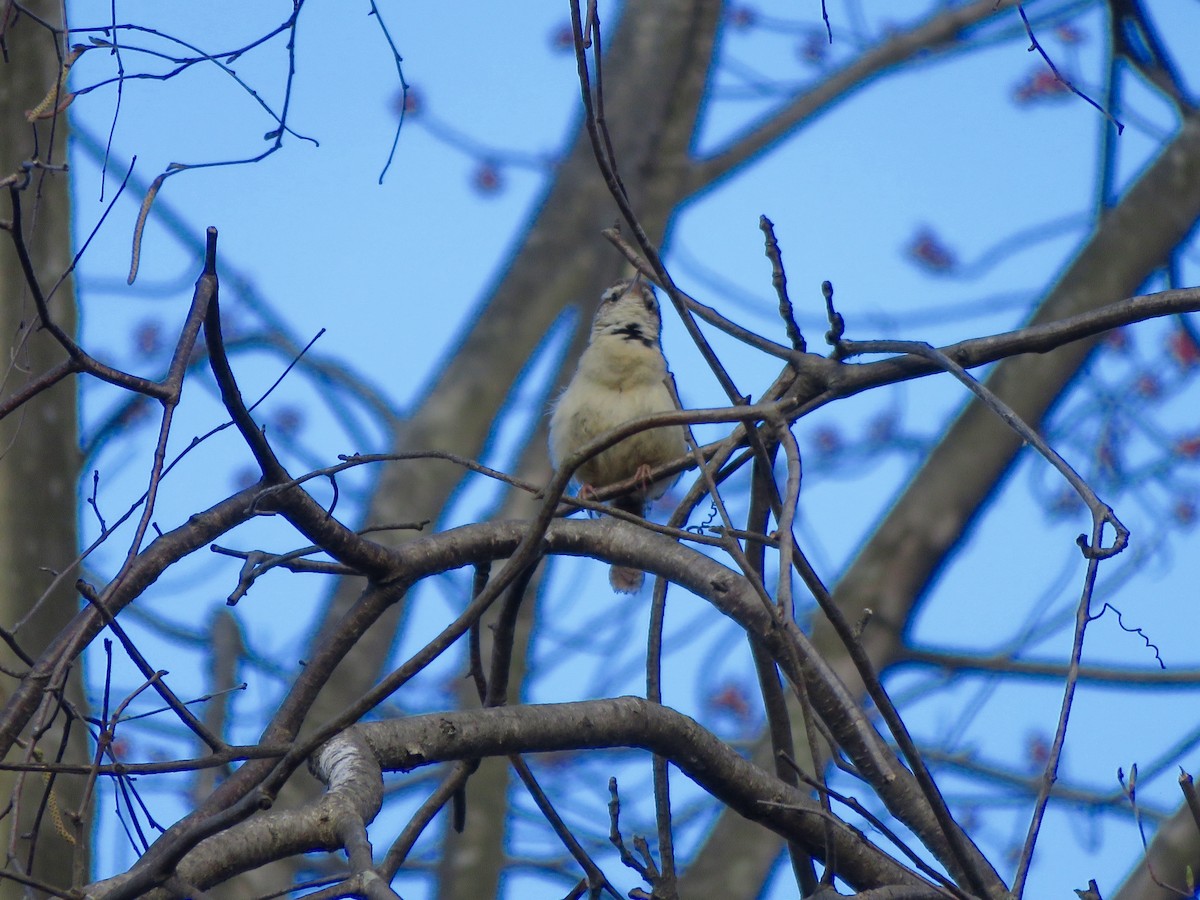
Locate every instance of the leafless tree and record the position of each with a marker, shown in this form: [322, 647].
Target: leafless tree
[820, 651]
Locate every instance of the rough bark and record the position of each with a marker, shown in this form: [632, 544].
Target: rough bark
[39, 462]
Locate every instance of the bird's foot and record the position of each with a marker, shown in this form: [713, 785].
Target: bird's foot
[642, 475]
[587, 492]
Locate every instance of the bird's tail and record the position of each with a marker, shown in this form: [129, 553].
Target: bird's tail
[626, 579]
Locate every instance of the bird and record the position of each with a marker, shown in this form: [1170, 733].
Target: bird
[621, 376]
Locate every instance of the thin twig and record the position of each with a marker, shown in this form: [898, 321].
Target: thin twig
[826, 792]
[774, 701]
[662, 784]
[152, 675]
[779, 280]
[1050, 772]
[1034, 45]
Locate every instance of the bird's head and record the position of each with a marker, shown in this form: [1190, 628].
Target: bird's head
[629, 310]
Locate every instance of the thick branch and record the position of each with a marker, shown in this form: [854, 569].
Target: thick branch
[354, 791]
[611, 541]
[405, 744]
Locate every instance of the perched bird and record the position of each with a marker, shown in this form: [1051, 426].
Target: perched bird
[620, 377]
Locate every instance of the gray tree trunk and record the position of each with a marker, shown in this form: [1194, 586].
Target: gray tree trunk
[39, 451]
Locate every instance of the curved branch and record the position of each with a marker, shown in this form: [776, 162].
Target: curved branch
[1041, 337]
[405, 744]
[609, 540]
[353, 796]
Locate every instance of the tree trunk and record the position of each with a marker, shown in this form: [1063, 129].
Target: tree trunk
[39, 462]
